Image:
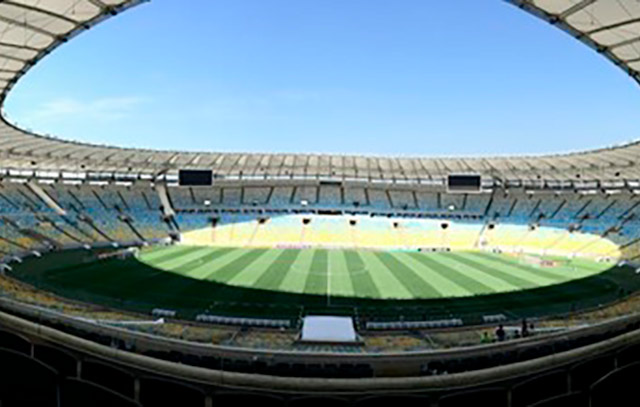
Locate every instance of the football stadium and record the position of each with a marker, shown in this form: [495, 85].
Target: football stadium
[136, 277]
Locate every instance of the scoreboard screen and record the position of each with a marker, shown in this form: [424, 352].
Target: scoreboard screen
[464, 183]
[195, 178]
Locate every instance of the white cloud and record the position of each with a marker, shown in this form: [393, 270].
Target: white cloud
[101, 109]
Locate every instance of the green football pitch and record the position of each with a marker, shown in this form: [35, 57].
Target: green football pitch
[287, 282]
[364, 274]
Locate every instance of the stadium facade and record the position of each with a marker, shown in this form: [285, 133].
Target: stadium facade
[74, 336]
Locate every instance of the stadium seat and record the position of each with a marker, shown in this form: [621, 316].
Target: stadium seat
[566, 400]
[628, 355]
[247, 399]
[25, 381]
[161, 392]
[80, 393]
[15, 342]
[108, 376]
[617, 388]
[584, 374]
[539, 388]
[393, 400]
[65, 363]
[312, 401]
[495, 397]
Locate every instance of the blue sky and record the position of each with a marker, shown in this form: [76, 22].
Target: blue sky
[405, 77]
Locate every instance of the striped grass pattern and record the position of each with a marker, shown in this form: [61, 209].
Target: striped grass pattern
[365, 274]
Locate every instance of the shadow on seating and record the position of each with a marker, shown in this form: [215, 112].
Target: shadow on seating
[9, 340]
[628, 355]
[312, 401]
[25, 381]
[80, 393]
[111, 377]
[64, 362]
[160, 392]
[566, 400]
[247, 399]
[495, 397]
[538, 388]
[391, 400]
[585, 373]
[617, 388]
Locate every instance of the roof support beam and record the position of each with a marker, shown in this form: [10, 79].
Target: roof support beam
[40, 11]
[99, 4]
[30, 27]
[17, 46]
[12, 58]
[613, 26]
[21, 144]
[622, 43]
[575, 8]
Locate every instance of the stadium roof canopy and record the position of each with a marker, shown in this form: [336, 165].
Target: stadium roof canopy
[30, 29]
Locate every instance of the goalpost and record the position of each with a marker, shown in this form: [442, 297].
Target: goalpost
[541, 261]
